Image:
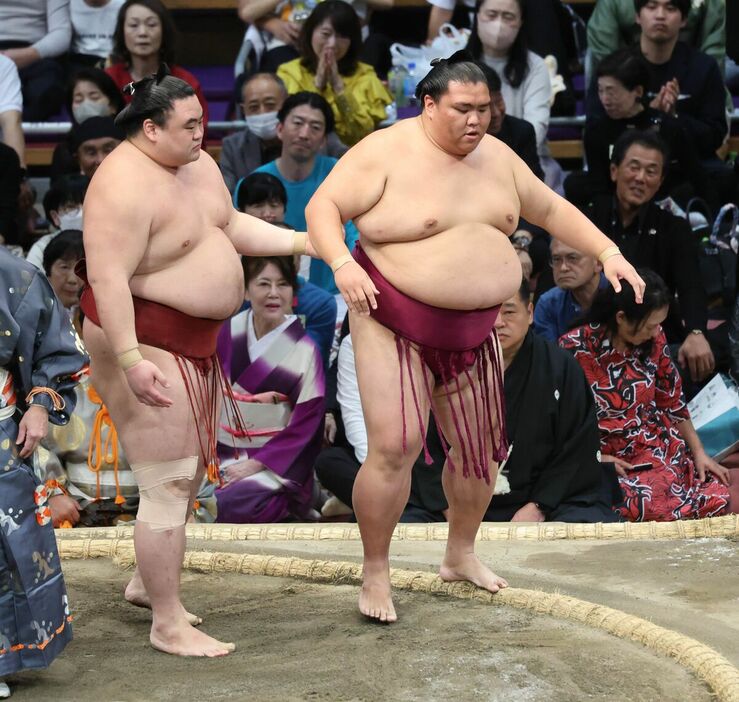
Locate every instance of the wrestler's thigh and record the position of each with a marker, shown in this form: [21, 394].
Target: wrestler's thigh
[462, 408]
[146, 433]
[378, 375]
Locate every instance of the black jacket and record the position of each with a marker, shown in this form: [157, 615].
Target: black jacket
[659, 240]
[701, 109]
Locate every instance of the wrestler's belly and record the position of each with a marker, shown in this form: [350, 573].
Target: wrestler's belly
[470, 266]
[208, 281]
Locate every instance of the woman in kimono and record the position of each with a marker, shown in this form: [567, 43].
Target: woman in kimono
[277, 376]
[664, 472]
[40, 357]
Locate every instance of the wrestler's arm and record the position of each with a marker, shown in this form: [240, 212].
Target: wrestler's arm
[117, 220]
[252, 236]
[353, 187]
[542, 206]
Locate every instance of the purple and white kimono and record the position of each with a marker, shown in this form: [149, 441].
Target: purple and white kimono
[279, 385]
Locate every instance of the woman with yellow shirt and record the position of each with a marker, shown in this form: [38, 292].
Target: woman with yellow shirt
[330, 41]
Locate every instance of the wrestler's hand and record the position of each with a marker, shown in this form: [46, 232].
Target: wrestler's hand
[143, 379]
[617, 268]
[356, 288]
[64, 509]
[32, 428]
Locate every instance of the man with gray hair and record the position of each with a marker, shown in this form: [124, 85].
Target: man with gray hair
[161, 240]
[424, 289]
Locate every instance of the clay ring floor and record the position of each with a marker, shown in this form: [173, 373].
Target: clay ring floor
[303, 640]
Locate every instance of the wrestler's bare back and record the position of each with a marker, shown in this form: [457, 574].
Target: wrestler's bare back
[189, 263]
[439, 233]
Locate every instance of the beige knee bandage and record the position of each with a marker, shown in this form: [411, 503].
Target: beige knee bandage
[163, 502]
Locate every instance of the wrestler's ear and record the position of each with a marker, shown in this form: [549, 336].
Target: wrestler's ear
[150, 130]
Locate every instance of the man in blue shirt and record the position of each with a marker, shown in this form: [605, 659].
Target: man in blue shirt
[304, 120]
[578, 278]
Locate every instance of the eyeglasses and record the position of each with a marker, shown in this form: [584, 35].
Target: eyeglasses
[571, 259]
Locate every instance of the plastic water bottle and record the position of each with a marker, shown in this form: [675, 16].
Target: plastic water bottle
[409, 85]
[396, 78]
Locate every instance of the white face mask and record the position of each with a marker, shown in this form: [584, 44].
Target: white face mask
[90, 108]
[71, 219]
[497, 35]
[263, 126]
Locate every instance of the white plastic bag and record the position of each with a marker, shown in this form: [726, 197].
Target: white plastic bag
[449, 40]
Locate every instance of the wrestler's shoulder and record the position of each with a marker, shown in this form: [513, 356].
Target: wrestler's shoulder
[125, 163]
[390, 137]
[493, 145]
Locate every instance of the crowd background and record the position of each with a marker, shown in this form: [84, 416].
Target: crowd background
[629, 109]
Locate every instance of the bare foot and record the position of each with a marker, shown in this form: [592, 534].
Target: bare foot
[136, 595]
[468, 567]
[181, 639]
[375, 598]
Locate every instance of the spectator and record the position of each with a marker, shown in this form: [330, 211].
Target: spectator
[664, 472]
[553, 467]
[60, 258]
[577, 278]
[33, 34]
[652, 237]
[11, 176]
[262, 96]
[91, 92]
[63, 208]
[304, 120]
[93, 25]
[550, 31]
[330, 40]
[262, 195]
[684, 84]
[497, 39]
[92, 140]
[11, 109]
[273, 37]
[622, 80]
[12, 150]
[144, 38]
[613, 24]
[277, 376]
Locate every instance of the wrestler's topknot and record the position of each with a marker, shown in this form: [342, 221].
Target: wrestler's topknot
[459, 67]
[152, 98]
